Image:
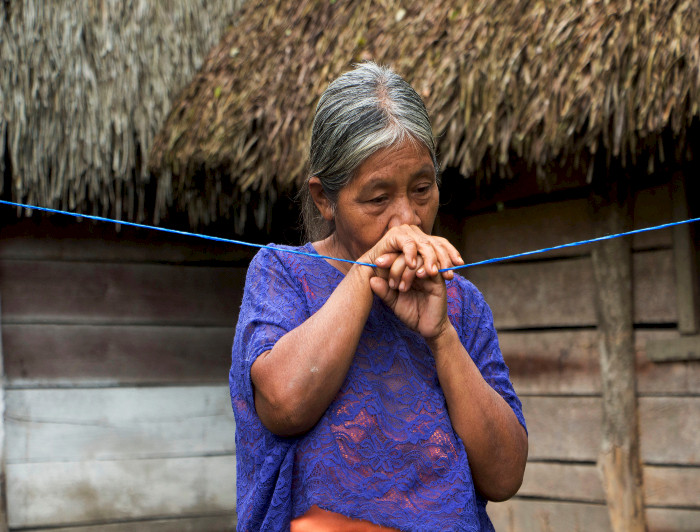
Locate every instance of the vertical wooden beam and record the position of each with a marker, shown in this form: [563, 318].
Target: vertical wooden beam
[3, 493]
[685, 258]
[619, 459]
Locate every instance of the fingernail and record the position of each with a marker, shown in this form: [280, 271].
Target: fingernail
[421, 271]
[392, 284]
[402, 286]
[435, 268]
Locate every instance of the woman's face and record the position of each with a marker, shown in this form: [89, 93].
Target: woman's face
[396, 185]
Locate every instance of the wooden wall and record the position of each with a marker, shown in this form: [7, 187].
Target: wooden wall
[544, 311]
[116, 352]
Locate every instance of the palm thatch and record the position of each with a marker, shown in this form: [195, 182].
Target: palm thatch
[85, 86]
[538, 80]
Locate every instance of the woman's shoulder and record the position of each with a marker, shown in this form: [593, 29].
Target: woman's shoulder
[462, 289]
[281, 256]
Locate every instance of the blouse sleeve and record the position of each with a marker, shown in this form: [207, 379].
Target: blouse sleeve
[479, 337]
[273, 304]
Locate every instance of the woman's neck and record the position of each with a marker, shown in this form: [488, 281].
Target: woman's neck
[330, 247]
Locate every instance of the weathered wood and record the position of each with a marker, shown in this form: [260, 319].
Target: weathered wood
[69, 493]
[663, 486]
[566, 362]
[684, 348]
[3, 489]
[520, 229]
[686, 262]
[97, 293]
[215, 523]
[569, 428]
[619, 459]
[104, 354]
[562, 293]
[522, 515]
[43, 238]
[73, 425]
[519, 515]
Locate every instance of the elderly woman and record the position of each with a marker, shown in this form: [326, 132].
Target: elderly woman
[370, 398]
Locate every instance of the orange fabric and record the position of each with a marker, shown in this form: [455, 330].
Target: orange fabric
[319, 520]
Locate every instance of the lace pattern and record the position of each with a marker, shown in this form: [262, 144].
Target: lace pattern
[385, 450]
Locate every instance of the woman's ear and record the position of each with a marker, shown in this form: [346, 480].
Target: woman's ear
[323, 204]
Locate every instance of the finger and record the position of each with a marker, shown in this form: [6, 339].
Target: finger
[381, 289]
[396, 272]
[396, 240]
[444, 258]
[426, 250]
[409, 274]
[384, 262]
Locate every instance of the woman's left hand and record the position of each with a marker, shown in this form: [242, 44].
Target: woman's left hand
[417, 297]
[422, 306]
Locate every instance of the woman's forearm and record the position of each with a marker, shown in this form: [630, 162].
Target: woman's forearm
[298, 378]
[495, 441]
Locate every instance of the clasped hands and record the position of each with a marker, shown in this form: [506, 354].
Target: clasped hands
[408, 280]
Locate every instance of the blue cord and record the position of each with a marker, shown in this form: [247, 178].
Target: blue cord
[183, 233]
[315, 255]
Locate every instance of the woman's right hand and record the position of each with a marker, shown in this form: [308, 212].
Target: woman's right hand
[406, 252]
[409, 281]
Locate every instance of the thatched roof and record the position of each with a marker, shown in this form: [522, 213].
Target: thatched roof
[537, 80]
[85, 86]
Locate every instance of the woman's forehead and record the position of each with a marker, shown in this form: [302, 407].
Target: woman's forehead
[408, 157]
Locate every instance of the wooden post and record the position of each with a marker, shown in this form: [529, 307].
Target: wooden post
[685, 259]
[619, 460]
[3, 493]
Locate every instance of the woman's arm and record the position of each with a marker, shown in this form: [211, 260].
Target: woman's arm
[298, 378]
[495, 441]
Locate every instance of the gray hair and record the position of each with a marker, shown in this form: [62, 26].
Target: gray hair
[361, 112]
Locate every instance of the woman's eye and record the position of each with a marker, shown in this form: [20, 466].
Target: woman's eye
[378, 200]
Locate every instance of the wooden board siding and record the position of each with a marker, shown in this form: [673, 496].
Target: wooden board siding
[566, 362]
[560, 293]
[215, 523]
[544, 310]
[116, 354]
[114, 293]
[60, 493]
[117, 349]
[523, 515]
[70, 425]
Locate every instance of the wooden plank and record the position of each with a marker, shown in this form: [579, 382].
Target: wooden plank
[618, 458]
[70, 354]
[72, 425]
[684, 348]
[215, 523]
[561, 293]
[42, 238]
[522, 515]
[663, 486]
[568, 428]
[519, 515]
[69, 493]
[686, 262]
[566, 362]
[516, 230]
[64, 292]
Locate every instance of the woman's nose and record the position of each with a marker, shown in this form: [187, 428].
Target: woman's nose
[404, 213]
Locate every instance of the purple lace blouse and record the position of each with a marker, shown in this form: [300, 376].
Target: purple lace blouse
[385, 450]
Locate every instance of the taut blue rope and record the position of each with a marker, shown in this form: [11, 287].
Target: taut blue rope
[314, 255]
